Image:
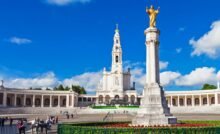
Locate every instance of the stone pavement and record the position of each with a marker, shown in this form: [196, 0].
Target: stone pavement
[97, 117]
[7, 129]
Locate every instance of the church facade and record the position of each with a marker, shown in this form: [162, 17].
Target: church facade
[115, 85]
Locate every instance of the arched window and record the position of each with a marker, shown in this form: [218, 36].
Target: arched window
[181, 102]
[107, 99]
[117, 97]
[28, 102]
[189, 101]
[100, 99]
[126, 98]
[204, 101]
[213, 100]
[197, 101]
[64, 102]
[132, 99]
[18, 101]
[116, 59]
[8, 101]
[47, 102]
[55, 102]
[117, 41]
[174, 102]
[37, 102]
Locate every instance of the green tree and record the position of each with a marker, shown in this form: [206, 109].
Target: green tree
[78, 89]
[59, 88]
[208, 87]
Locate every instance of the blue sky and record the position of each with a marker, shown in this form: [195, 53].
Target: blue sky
[47, 42]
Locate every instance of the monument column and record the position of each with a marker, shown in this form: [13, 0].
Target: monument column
[154, 109]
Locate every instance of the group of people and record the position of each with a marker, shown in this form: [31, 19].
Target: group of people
[21, 125]
[39, 123]
[2, 122]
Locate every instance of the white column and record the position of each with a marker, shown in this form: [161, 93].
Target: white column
[67, 100]
[42, 100]
[185, 103]
[51, 100]
[73, 100]
[208, 99]
[15, 100]
[193, 100]
[152, 66]
[171, 101]
[24, 104]
[58, 101]
[33, 101]
[200, 100]
[216, 99]
[178, 101]
[5, 99]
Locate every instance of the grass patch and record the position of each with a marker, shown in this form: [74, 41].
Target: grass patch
[104, 107]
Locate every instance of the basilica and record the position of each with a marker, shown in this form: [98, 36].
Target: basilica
[115, 85]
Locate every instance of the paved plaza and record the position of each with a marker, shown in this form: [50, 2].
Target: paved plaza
[96, 117]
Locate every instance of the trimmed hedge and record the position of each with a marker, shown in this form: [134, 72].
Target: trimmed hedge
[96, 128]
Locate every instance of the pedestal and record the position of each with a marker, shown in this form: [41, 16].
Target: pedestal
[154, 109]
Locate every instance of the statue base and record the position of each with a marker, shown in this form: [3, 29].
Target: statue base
[154, 109]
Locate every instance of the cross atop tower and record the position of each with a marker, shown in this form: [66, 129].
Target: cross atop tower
[117, 28]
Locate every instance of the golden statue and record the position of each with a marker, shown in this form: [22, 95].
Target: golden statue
[152, 15]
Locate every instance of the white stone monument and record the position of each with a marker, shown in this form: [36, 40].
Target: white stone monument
[154, 109]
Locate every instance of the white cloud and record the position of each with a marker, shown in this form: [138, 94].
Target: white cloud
[178, 50]
[45, 80]
[218, 75]
[168, 77]
[19, 41]
[163, 65]
[88, 80]
[198, 77]
[65, 2]
[209, 43]
[181, 29]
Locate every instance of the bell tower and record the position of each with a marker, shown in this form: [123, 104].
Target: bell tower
[116, 53]
[117, 69]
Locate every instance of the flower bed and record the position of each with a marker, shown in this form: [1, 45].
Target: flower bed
[193, 127]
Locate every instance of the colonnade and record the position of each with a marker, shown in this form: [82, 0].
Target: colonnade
[9, 99]
[192, 100]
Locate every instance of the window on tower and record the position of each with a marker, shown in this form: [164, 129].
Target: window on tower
[117, 41]
[116, 59]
